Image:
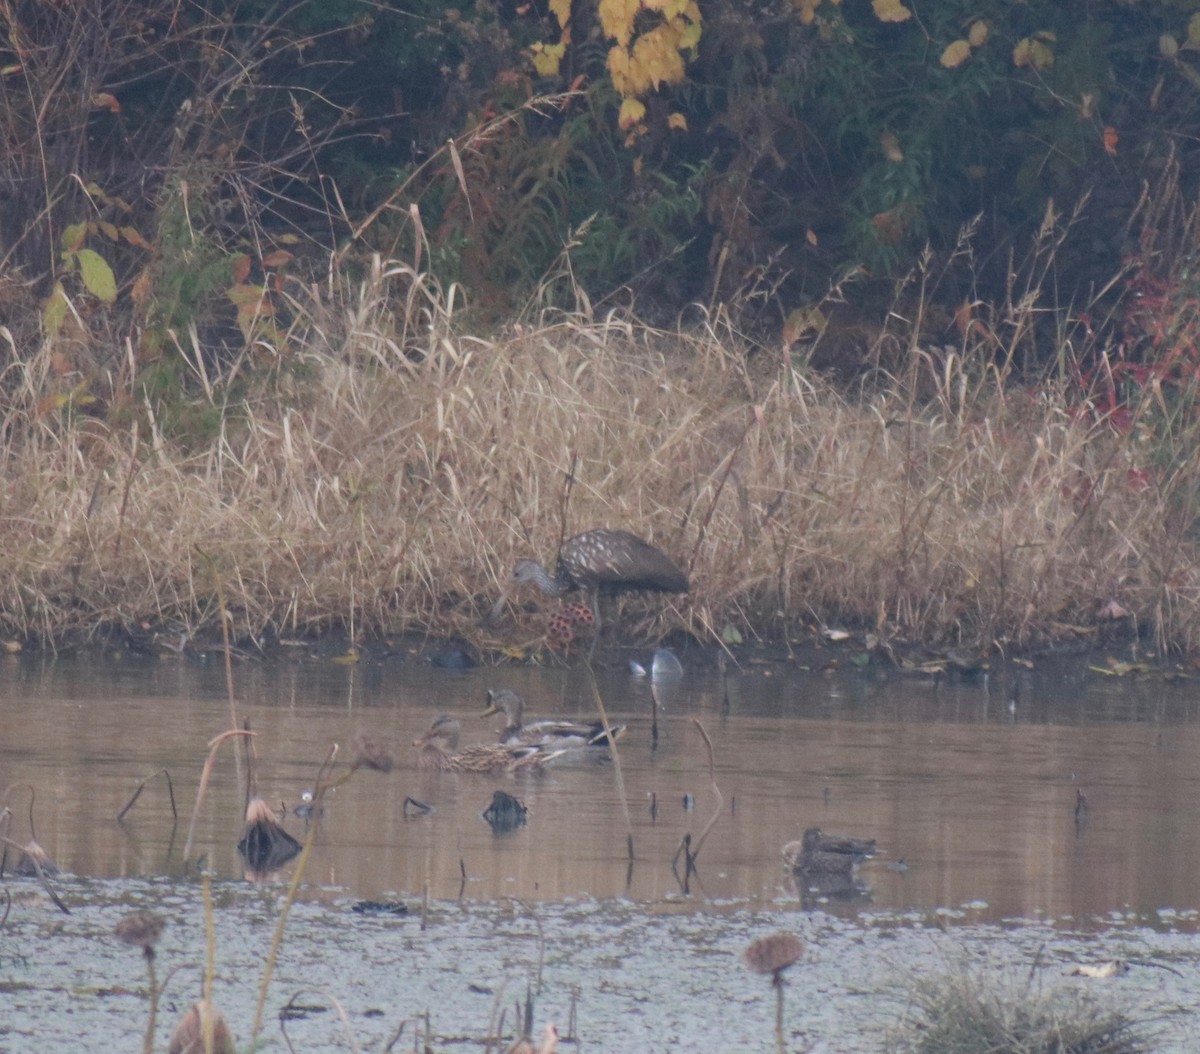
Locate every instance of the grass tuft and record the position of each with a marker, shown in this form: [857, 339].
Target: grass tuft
[968, 1013]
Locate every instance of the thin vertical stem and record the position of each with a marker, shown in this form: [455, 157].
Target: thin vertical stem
[778, 983]
[616, 757]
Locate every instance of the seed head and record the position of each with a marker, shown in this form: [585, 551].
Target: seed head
[140, 929]
[188, 1037]
[773, 954]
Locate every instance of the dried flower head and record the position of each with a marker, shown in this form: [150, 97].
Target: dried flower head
[35, 862]
[370, 754]
[140, 929]
[265, 846]
[773, 954]
[188, 1037]
[258, 811]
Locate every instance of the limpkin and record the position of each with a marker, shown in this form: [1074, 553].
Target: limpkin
[601, 561]
[824, 854]
[551, 733]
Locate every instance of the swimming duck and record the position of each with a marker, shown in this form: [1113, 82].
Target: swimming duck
[559, 733]
[824, 854]
[438, 749]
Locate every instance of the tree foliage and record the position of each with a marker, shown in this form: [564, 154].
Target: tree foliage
[664, 150]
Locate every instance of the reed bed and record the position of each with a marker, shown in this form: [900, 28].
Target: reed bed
[390, 467]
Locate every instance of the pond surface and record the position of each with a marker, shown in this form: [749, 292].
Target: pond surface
[985, 853]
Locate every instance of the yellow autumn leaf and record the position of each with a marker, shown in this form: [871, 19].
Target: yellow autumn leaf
[803, 321]
[677, 121]
[632, 113]
[1193, 33]
[97, 276]
[891, 11]
[616, 19]
[1168, 46]
[52, 404]
[1033, 53]
[978, 33]
[956, 54]
[131, 235]
[657, 57]
[561, 10]
[547, 58]
[807, 9]
[54, 312]
[618, 70]
[72, 236]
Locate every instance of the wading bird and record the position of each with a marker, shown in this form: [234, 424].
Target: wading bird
[601, 561]
[438, 749]
[555, 733]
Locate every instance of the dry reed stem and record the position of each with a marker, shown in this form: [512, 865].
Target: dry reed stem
[392, 483]
[712, 777]
[618, 776]
[323, 784]
[205, 774]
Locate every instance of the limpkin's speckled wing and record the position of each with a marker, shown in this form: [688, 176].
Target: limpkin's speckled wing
[615, 561]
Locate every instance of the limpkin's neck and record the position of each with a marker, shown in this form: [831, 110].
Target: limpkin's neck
[555, 585]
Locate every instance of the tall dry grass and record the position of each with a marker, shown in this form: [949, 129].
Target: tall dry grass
[389, 477]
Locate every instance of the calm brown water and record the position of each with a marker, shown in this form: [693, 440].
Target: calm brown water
[977, 801]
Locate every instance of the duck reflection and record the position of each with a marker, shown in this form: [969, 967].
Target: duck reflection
[505, 813]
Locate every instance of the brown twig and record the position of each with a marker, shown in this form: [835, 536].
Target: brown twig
[142, 786]
[341, 1013]
[712, 775]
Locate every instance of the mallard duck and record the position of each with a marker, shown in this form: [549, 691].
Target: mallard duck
[558, 733]
[824, 854]
[438, 749]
